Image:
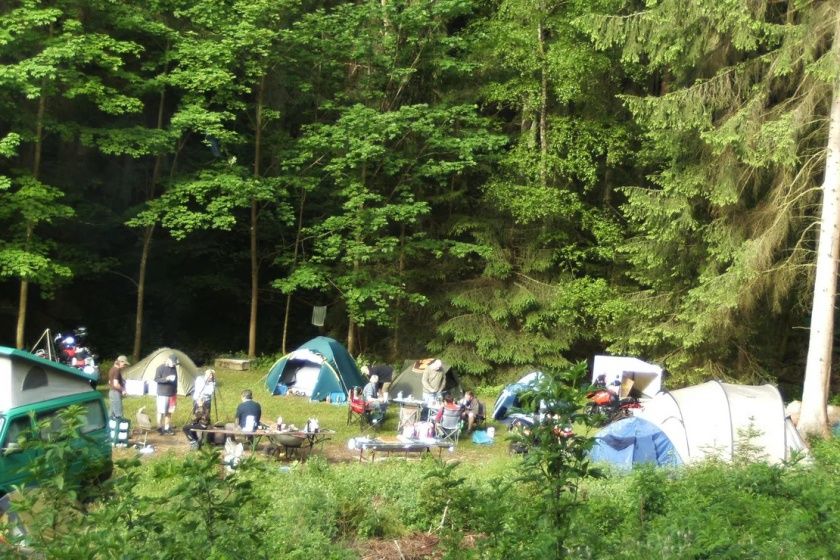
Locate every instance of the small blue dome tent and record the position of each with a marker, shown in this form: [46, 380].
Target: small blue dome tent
[632, 441]
[316, 369]
[508, 398]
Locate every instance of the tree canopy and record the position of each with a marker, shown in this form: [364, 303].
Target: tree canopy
[508, 184]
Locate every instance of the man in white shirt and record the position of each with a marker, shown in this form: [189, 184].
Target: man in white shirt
[203, 391]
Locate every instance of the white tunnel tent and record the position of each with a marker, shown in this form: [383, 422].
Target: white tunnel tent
[719, 420]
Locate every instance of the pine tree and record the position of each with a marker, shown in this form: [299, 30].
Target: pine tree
[545, 238]
[737, 125]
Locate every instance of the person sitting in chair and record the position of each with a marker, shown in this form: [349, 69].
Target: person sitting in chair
[472, 410]
[374, 405]
[248, 412]
[200, 421]
[448, 404]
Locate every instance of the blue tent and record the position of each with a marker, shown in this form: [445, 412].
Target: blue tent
[508, 398]
[316, 369]
[631, 441]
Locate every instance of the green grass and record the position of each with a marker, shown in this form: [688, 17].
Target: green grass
[296, 410]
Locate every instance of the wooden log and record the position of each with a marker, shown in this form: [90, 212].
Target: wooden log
[230, 363]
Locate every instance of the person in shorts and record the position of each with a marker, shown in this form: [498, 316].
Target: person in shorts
[166, 377]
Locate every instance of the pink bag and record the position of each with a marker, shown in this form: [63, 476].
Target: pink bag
[424, 429]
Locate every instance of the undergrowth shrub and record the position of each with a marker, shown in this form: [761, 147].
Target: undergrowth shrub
[189, 507]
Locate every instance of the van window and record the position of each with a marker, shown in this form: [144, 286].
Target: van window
[18, 425]
[94, 419]
[36, 377]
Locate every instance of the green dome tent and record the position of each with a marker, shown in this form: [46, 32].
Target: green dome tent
[410, 379]
[316, 369]
[144, 370]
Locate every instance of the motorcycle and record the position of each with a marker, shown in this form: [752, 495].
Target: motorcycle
[73, 353]
[607, 405]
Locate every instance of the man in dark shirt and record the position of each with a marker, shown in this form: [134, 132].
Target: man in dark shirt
[166, 377]
[116, 386]
[248, 408]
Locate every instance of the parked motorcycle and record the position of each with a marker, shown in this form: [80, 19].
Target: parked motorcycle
[607, 404]
[71, 351]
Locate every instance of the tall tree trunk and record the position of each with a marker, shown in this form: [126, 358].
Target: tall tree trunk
[351, 336]
[351, 322]
[148, 235]
[813, 418]
[298, 234]
[20, 331]
[543, 108]
[23, 297]
[395, 341]
[255, 265]
[141, 292]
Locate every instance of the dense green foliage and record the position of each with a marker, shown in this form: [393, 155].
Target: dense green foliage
[507, 183]
[191, 507]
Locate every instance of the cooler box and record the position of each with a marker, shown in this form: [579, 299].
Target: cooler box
[119, 431]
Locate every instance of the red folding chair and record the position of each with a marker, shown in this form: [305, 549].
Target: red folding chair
[356, 409]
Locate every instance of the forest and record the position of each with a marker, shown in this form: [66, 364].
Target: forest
[504, 183]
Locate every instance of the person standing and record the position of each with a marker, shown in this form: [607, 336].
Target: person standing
[248, 408]
[166, 377]
[116, 386]
[205, 387]
[434, 381]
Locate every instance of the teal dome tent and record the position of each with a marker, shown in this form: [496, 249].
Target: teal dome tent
[316, 369]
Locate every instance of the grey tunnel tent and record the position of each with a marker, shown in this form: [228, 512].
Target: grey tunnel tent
[720, 420]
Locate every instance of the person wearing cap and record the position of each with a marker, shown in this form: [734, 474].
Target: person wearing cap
[205, 386]
[116, 386]
[166, 377]
[434, 381]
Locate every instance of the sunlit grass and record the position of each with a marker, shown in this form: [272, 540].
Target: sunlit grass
[297, 410]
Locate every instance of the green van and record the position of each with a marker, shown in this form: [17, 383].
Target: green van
[34, 389]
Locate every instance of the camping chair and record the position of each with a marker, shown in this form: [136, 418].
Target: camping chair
[409, 415]
[357, 410]
[449, 427]
[144, 424]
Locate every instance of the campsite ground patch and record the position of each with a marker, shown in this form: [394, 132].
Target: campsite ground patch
[294, 410]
